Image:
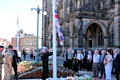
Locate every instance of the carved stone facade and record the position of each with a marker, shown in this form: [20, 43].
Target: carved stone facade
[85, 23]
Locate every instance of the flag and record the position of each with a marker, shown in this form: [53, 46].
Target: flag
[17, 20]
[59, 30]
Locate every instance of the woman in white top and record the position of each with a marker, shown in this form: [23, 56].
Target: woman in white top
[79, 58]
[108, 65]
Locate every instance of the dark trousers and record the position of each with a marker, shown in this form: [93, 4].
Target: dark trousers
[89, 66]
[69, 62]
[102, 69]
[15, 71]
[24, 56]
[117, 73]
[19, 59]
[45, 72]
[80, 64]
[65, 64]
[84, 63]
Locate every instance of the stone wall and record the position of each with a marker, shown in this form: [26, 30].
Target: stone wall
[78, 16]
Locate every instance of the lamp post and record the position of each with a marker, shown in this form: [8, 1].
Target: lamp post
[38, 11]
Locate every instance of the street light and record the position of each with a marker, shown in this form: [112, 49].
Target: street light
[44, 13]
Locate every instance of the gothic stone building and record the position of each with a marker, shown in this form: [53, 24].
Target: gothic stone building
[85, 23]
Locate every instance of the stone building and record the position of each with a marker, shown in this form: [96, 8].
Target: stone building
[26, 41]
[85, 23]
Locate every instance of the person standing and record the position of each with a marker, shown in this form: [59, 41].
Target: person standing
[31, 55]
[70, 58]
[24, 54]
[79, 58]
[1, 60]
[89, 61]
[116, 63]
[44, 57]
[7, 65]
[15, 60]
[35, 54]
[84, 59]
[96, 58]
[108, 65]
[19, 56]
[102, 67]
[65, 58]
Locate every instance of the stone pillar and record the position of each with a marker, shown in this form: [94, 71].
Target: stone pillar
[93, 42]
[84, 35]
[71, 33]
[105, 41]
[71, 42]
[64, 8]
[78, 4]
[117, 23]
[68, 8]
[49, 41]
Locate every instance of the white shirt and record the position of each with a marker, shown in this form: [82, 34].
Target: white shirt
[19, 54]
[96, 58]
[89, 56]
[80, 56]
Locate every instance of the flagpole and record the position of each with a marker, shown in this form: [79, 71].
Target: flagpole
[54, 43]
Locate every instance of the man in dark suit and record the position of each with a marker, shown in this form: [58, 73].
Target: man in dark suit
[102, 67]
[116, 63]
[15, 60]
[84, 59]
[44, 57]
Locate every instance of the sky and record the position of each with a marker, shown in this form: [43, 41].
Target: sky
[9, 9]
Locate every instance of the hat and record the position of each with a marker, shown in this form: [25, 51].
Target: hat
[1, 46]
[10, 46]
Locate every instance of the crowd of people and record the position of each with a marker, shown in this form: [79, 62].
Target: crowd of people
[103, 61]
[12, 57]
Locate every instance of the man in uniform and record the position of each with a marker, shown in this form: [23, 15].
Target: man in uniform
[1, 61]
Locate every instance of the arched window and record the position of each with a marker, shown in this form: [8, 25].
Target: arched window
[112, 2]
[100, 38]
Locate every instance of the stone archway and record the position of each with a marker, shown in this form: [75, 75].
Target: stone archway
[96, 35]
[111, 34]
